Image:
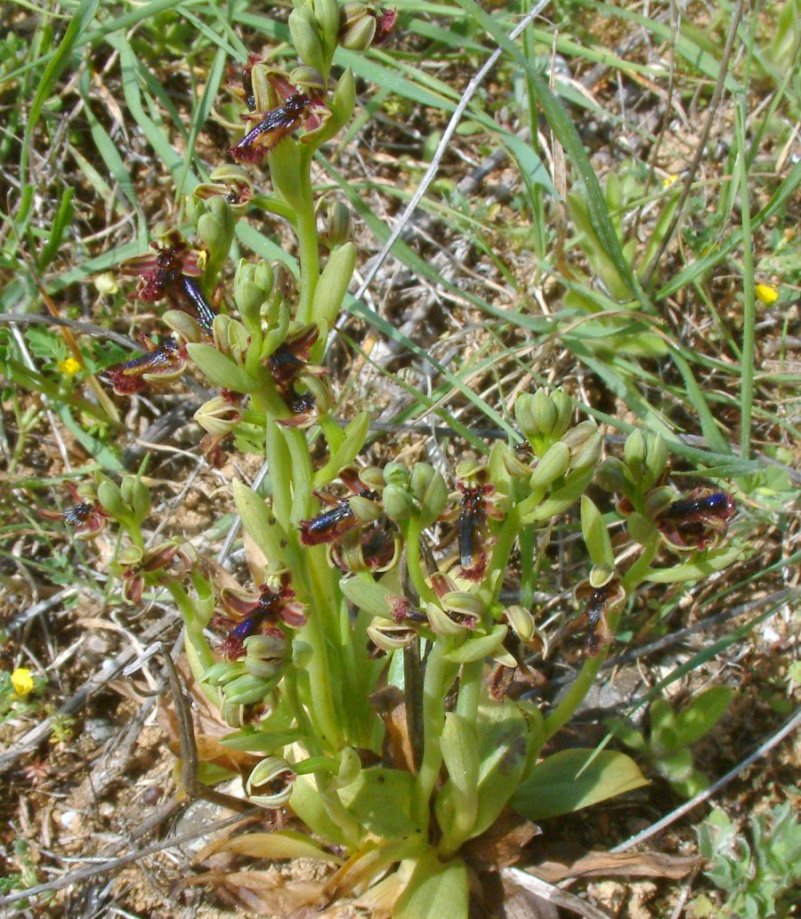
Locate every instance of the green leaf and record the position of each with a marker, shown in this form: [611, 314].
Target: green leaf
[504, 735]
[382, 801]
[596, 535]
[259, 522]
[219, 369]
[333, 284]
[701, 567]
[367, 594]
[436, 890]
[573, 779]
[702, 714]
[476, 649]
[352, 443]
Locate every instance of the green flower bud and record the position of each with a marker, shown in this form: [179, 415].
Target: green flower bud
[433, 500]
[611, 475]
[222, 672]
[246, 689]
[336, 230]
[397, 474]
[553, 465]
[586, 445]
[216, 229]
[137, 495]
[108, 494]
[655, 461]
[398, 503]
[360, 35]
[543, 412]
[351, 13]
[253, 285]
[365, 510]
[326, 12]
[564, 412]
[344, 99]
[232, 713]
[306, 38]
[308, 80]
[635, 452]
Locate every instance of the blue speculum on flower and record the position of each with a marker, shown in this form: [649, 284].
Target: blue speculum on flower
[172, 271]
[168, 358]
[270, 130]
[695, 521]
[85, 518]
[258, 616]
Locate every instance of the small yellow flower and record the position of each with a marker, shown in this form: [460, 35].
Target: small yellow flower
[669, 180]
[766, 294]
[22, 681]
[69, 366]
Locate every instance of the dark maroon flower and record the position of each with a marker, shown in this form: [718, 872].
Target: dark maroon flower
[288, 365]
[698, 520]
[171, 271]
[385, 23]
[271, 129]
[474, 509]
[259, 616]
[85, 518]
[599, 603]
[328, 526]
[332, 524]
[163, 363]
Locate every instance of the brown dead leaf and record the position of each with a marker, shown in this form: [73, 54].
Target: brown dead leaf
[264, 893]
[502, 844]
[627, 864]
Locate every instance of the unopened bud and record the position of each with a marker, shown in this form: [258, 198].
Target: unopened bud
[360, 35]
[551, 467]
[306, 38]
[398, 503]
[270, 783]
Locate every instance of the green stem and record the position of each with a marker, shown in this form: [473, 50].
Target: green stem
[437, 675]
[414, 564]
[581, 685]
[308, 245]
[198, 652]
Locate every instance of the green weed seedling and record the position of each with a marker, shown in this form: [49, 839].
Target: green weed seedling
[672, 732]
[759, 877]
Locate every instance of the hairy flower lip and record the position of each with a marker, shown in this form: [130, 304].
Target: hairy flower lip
[87, 518]
[697, 521]
[171, 271]
[167, 360]
[260, 615]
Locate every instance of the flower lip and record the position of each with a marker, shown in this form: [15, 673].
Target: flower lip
[168, 358]
[698, 520]
[271, 129]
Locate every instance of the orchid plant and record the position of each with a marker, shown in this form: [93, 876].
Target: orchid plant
[372, 674]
